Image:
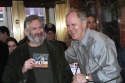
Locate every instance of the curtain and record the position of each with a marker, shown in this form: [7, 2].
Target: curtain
[60, 15]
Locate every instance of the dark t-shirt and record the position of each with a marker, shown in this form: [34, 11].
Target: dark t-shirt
[44, 73]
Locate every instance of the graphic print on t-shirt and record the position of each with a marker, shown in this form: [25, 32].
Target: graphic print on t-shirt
[41, 60]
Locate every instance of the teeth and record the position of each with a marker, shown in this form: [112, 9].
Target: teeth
[72, 32]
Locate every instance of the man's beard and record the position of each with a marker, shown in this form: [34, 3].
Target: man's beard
[34, 39]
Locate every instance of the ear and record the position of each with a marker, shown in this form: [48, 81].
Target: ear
[84, 23]
[26, 32]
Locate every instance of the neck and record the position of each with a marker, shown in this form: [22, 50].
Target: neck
[32, 44]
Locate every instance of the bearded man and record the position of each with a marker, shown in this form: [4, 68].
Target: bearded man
[22, 66]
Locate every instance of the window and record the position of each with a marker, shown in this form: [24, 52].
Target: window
[36, 11]
[1, 14]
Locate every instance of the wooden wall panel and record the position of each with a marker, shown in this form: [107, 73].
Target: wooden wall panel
[122, 23]
[99, 20]
[75, 3]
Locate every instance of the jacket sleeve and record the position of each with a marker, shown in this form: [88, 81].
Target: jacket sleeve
[109, 69]
[66, 71]
[13, 70]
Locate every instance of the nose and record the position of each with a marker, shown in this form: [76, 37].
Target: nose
[70, 27]
[39, 30]
[11, 48]
[91, 23]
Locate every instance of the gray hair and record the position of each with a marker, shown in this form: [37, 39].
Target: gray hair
[80, 13]
[30, 18]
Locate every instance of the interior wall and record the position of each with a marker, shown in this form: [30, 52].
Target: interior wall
[18, 16]
[52, 15]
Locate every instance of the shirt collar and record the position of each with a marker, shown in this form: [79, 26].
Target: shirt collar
[85, 39]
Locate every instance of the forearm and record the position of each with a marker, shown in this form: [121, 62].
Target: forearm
[95, 78]
[105, 75]
[107, 66]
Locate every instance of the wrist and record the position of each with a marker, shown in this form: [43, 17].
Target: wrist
[87, 78]
[23, 70]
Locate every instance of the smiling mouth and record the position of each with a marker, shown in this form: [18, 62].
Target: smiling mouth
[38, 35]
[72, 33]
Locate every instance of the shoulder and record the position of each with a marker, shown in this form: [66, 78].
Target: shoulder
[101, 38]
[54, 46]
[20, 51]
[2, 44]
[23, 41]
[63, 44]
[99, 41]
[60, 42]
[21, 48]
[52, 43]
[97, 35]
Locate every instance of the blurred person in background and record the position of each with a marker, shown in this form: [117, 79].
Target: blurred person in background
[12, 44]
[50, 30]
[4, 34]
[92, 22]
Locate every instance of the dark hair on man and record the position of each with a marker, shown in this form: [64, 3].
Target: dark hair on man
[4, 29]
[30, 18]
[91, 15]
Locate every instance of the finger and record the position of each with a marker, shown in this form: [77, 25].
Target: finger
[29, 64]
[74, 81]
[74, 76]
[32, 60]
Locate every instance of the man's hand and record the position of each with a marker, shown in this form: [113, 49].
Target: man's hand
[79, 78]
[28, 65]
